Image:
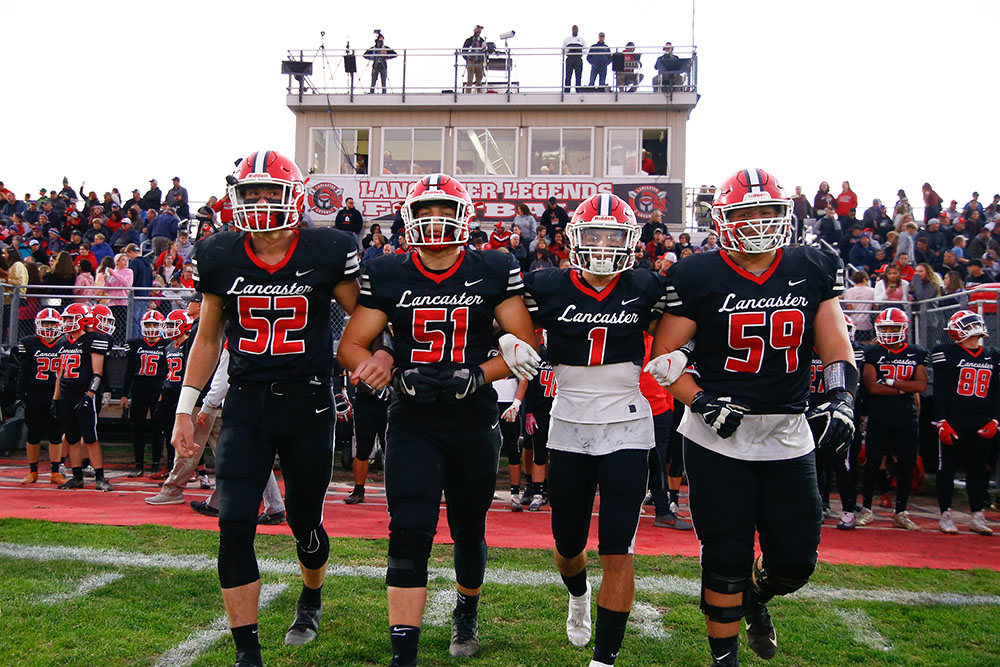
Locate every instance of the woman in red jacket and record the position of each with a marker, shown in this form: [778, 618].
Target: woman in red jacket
[846, 201]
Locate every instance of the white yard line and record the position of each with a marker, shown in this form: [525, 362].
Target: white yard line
[863, 630]
[439, 606]
[86, 586]
[647, 621]
[665, 584]
[200, 641]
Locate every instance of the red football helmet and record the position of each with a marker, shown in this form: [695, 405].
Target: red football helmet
[851, 328]
[891, 326]
[177, 324]
[437, 232]
[266, 169]
[48, 323]
[151, 324]
[75, 317]
[965, 324]
[102, 319]
[745, 189]
[602, 235]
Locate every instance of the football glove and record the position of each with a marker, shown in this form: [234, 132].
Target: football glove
[530, 423]
[666, 368]
[54, 409]
[832, 423]
[85, 404]
[990, 430]
[722, 414]
[510, 414]
[520, 357]
[946, 433]
[463, 381]
[342, 404]
[417, 384]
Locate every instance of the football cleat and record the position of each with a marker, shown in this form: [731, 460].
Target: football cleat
[165, 498]
[671, 520]
[135, 472]
[760, 630]
[578, 625]
[57, 478]
[515, 502]
[902, 520]
[202, 507]
[649, 500]
[730, 659]
[205, 482]
[464, 635]
[356, 496]
[305, 626]
[978, 524]
[536, 503]
[30, 478]
[72, 483]
[847, 521]
[947, 523]
[272, 519]
[863, 517]
[103, 485]
[89, 471]
[245, 660]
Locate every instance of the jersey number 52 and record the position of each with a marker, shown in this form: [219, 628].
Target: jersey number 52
[270, 333]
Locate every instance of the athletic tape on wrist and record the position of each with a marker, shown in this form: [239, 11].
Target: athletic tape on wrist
[185, 403]
[95, 383]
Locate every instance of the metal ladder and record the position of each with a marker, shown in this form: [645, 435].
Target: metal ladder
[484, 140]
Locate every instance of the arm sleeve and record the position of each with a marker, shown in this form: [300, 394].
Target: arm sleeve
[219, 386]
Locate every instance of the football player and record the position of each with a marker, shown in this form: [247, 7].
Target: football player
[537, 408]
[81, 364]
[965, 399]
[510, 395]
[601, 427]
[144, 372]
[894, 373]
[755, 311]
[269, 286]
[38, 360]
[443, 424]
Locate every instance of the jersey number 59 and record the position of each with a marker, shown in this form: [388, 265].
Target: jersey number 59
[751, 333]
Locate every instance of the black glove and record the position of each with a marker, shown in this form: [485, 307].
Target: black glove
[417, 384]
[54, 409]
[462, 382]
[85, 404]
[832, 423]
[721, 413]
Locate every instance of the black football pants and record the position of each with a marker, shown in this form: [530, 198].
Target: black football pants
[974, 450]
[145, 424]
[885, 439]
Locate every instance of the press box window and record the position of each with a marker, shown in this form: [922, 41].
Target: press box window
[625, 155]
[339, 151]
[485, 151]
[559, 151]
[411, 150]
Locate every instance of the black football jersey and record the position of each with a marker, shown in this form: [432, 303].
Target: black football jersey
[39, 365]
[755, 333]
[175, 356]
[442, 318]
[145, 365]
[587, 327]
[75, 362]
[277, 316]
[900, 365]
[541, 388]
[964, 391]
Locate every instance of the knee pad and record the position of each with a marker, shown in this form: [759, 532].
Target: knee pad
[237, 559]
[408, 554]
[786, 580]
[313, 548]
[470, 564]
[719, 583]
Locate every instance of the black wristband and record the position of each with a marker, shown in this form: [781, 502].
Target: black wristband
[95, 383]
[840, 376]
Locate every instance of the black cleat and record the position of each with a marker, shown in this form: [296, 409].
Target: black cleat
[730, 659]
[671, 520]
[135, 472]
[357, 496]
[245, 660]
[274, 519]
[464, 635]
[760, 630]
[202, 507]
[102, 484]
[72, 483]
[305, 626]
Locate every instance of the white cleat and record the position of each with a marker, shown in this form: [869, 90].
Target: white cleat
[863, 517]
[947, 523]
[578, 622]
[902, 520]
[978, 524]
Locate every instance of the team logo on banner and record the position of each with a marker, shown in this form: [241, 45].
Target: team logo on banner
[647, 198]
[325, 198]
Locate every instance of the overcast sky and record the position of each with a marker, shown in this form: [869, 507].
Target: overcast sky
[884, 93]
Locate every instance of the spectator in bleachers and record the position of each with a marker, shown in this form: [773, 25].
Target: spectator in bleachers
[100, 249]
[135, 200]
[124, 236]
[860, 313]
[118, 281]
[599, 57]
[518, 250]
[926, 283]
[84, 279]
[573, 47]
[374, 248]
[881, 260]
[891, 288]
[932, 202]
[180, 207]
[990, 265]
[12, 206]
[850, 238]
[951, 263]
[558, 247]
[655, 221]
[975, 221]
[953, 284]
[862, 253]
[656, 247]
[847, 203]
[374, 229]
[31, 215]
[982, 242]
[959, 249]
[823, 200]
[907, 239]
[153, 198]
[629, 77]
[163, 230]
[976, 274]
[542, 257]
[800, 205]
[827, 228]
[38, 252]
[972, 205]
[525, 221]
[937, 241]
[184, 246]
[902, 262]
[169, 262]
[901, 208]
[84, 253]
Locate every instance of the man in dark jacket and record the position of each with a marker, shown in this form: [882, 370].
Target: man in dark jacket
[153, 198]
[599, 58]
[937, 242]
[349, 219]
[554, 218]
[142, 276]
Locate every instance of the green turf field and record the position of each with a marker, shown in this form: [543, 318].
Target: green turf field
[158, 611]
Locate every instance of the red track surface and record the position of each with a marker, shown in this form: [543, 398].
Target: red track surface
[877, 544]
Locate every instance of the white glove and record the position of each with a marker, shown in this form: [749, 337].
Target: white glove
[510, 414]
[666, 368]
[520, 357]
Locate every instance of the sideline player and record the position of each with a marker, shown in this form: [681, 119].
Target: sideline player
[966, 398]
[269, 286]
[537, 408]
[38, 360]
[601, 426]
[145, 369]
[81, 364]
[894, 373]
[443, 424]
[755, 311]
